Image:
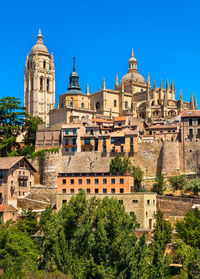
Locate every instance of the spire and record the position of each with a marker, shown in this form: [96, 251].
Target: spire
[148, 78]
[104, 84]
[39, 38]
[192, 102]
[154, 84]
[132, 54]
[195, 102]
[161, 85]
[87, 89]
[74, 68]
[116, 82]
[74, 79]
[52, 61]
[167, 86]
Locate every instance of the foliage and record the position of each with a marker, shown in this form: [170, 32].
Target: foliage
[18, 253]
[41, 153]
[159, 186]
[11, 119]
[193, 185]
[30, 127]
[27, 222]
[119, 164]
[178, 182]
[189, 229]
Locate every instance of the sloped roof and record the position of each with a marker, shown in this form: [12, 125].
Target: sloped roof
[190, 113]
[7, 208]
[8, 162]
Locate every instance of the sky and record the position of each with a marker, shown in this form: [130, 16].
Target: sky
[165, 36]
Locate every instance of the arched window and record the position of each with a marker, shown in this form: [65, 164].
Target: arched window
[48, 85]
[97, 105]
[82, 105]
[71, 104]
[41, 84]
[28, 65]
[44, 64]
[115, 103]
[126, 105]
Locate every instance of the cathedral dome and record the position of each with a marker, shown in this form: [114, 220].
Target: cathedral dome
[39, 46]
[135, 75]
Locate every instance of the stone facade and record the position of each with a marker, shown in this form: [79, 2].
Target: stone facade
[142, 204]
[39, 81]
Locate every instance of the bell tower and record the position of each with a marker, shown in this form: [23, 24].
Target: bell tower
[39, 81]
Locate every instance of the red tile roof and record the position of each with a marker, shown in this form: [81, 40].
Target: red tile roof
[155, 127]
[120, 118]
[7, 208]
[190, 113]
[101, 120]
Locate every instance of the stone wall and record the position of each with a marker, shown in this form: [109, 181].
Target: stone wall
[26, 203]
[44, 194]
[170, 159]
[175, 206]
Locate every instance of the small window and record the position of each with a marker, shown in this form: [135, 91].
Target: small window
[64, 191]
[96, 191]
[48, 85]
[71, 181]
[80, 189]
[190, 122]
[44, 64]
[19, 193]
[72, 191]
[66, 131]
[66, 149]
[131, 213]
[104, 181]
[88, 191]
[134, 201]
[146, 214]
[121, 181]
[198, 121]
[71, 104]
[74, 131]
[121, 201]
[41, 84]
[113, 190]
[115, 103]
[153, 202]
[96, 181]
[148, 202]
[113, 181]
[150, 133]
[126, 105]
[122, 148]
[21, 163]
[104, 190]
[66, 141]
[121, 190]
[82, 105]
[88, 181]
[80, 181]
[64, 201]
[0, 183]
[64, 181]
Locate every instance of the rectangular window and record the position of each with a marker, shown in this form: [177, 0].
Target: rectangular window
[74, 149]
[86, 141]
[134, 201]
[104, 181]
[104, 148]
[64, 191]
[88, 191]
[88, 181]
[64, 181]
[115, 103]
[96, 191]
[121, 181]
[190, 122]
[113, 190]
[80, 181]
[66, 141]
[1, 173]
[74, 141]
[121, 190]
[64, 201]
[104, 190]
[112, 180]
[122, 148]
[66, 149]
[190, 132]
[66, 132]
[131, 213]
[198, 133]
[72, 191]
[198, 121]
[74, 131]
[96, 181]
[104, 141]
[148, 202]
[71, 181]
[0, 183]
[80, 189]
[131, 140]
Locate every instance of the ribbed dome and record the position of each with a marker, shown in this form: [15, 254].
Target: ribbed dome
[39, 46]
[136, 77]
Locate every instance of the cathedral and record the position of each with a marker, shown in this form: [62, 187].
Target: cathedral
[132, 96]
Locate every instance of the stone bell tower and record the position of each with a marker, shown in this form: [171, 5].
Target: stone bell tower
[39, 81]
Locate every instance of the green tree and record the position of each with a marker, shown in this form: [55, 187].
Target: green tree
[159, 186]
[119, 164]
[11, 119]
[30, 127]
[18, 253]
[138, 176]
[27, 222]
[193, 185]
[178, 182]
[189, 229]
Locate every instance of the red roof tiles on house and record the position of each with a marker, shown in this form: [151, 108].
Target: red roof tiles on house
[190, 113]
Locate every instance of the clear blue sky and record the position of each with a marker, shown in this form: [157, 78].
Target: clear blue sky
[165, 36]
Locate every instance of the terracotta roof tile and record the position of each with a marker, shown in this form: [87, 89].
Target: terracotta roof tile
[120, 118]
[190, 113]
[7, 208]
[7, 162]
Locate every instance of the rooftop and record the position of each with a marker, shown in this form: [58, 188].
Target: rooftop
[190, 113]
